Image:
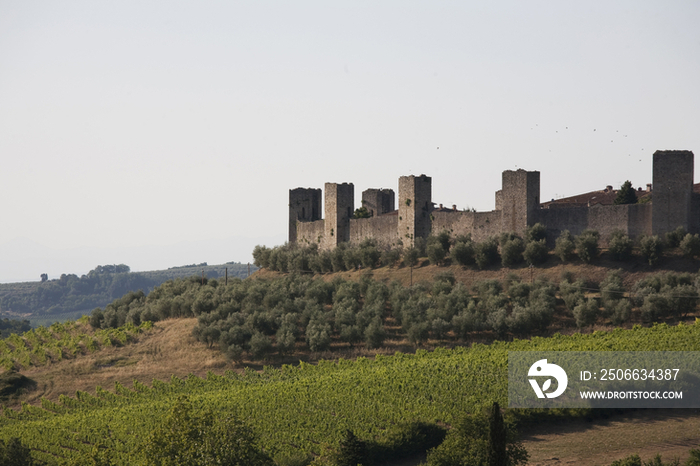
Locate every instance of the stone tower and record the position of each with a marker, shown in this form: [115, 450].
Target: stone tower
[519, 200]
[339, 208]
[673, 190]
[378, 201]
[304, 206]
[415, 207]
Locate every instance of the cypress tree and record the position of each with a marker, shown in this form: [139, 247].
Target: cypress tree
[626, 194]
[497, 437]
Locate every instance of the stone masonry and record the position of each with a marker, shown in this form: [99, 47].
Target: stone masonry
[674, 203]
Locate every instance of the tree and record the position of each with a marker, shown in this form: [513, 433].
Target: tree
[13, 453]
[486, 439]
[587, 245]
[651, 247]
[352, 451]
[44, 277]
[620, 246]
[564, 246]
[362, 212]
[192, 438]
[626, 194]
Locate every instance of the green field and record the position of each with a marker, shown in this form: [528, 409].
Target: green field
[307, 407]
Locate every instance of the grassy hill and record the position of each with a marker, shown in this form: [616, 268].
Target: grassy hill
[369, 394]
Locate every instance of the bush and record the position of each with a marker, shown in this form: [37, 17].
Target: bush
[536, 252]
[486, 253]
[436, 253]
[620, 246]
[390, 257]
[690, 245]
[462, 253]
[410, 257]
[674, 238]
[536, 232]
[587, 245]
[565, 247]
[586, 313]
[651, 248]
[512, 252]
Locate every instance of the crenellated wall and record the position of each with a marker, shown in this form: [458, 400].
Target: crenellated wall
[517, 207]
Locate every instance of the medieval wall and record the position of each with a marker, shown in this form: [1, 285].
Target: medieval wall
[310, 232]
[632, 219]
[480, 225]
[378, 201]
[383, 229]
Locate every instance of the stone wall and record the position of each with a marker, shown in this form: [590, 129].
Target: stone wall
[480, 225]
[632, 219]
[310, 232]
[383, 229]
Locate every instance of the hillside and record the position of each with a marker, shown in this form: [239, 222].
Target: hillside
[363, 395]
[70, 296]
[170, 350]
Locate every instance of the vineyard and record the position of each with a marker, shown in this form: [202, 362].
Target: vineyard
[307, 408]
[44, 345]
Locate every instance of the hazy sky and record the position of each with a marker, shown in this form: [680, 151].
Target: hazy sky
[165, 133]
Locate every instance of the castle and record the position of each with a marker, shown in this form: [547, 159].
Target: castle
[676, 202]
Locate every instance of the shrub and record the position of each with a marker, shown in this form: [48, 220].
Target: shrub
[587, 245]
[462, 253]
[390, 257]
[651, 248]
[536, 232]
[586, 313]
[564, 246]
[436, 253]
[690, 245]
[620, 246]
[536, 252]
[512, 251]
[260, 345]
[620, 312]
[674, 238]
[486, 253]
[410, 257]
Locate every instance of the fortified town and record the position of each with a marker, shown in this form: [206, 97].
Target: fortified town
[672, 200]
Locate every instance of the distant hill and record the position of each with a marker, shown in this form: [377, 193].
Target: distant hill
[70, 296]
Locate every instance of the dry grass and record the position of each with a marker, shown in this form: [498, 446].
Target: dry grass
[168, 349]
[670, 433]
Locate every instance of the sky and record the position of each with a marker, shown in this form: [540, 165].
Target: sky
[167, 133]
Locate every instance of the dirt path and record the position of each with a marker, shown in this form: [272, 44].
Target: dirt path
[670, 433]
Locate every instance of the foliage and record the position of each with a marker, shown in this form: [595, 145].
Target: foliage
[296, 409]
[690, 245]
[362, 212]
[651, 248]
[565, 247]
[626, 194]
[587, 245]
[462, 253]
[674, 238]
[536, 252]
[586, 313]
[536, 232]
[512, 251]
[410, 256]
[620, 246]
[14, 453]
[8, 327]
[486, 253]
[482, 439]
[187, 437]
